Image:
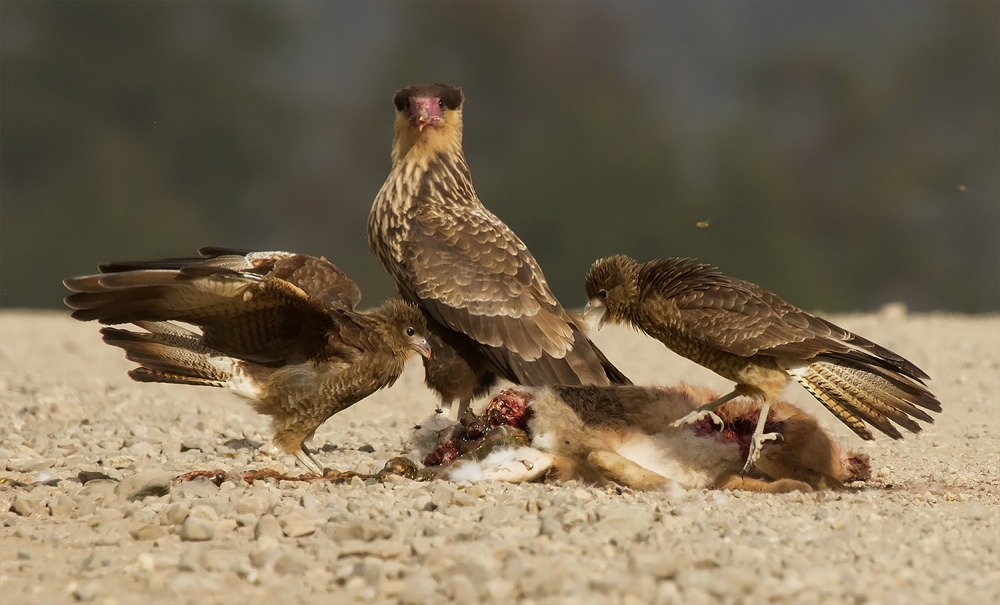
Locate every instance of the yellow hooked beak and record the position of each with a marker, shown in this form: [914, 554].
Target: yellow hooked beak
[595, 309]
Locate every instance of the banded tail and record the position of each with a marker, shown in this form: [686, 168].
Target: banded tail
[171, 354]
[858, 392]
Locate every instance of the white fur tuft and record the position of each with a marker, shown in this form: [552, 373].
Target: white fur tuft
[511, 465]
[429, 436]
[544, 441]
[470, 472]
[678, 455]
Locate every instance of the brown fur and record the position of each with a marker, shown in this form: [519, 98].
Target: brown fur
[586, 427]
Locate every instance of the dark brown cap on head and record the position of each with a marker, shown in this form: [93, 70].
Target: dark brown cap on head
[451, 96]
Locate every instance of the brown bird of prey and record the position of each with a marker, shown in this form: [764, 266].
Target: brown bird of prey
[277, 328]
[485, 297]
[754, 338]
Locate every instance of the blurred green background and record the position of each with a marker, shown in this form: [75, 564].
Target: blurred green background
[843, 154]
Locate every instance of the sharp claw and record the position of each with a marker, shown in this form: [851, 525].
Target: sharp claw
[756, 446]
[309, 462]
[716, 420]
[698, 415]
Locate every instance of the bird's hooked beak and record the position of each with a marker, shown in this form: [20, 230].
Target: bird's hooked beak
[595, 309]
[425, 111]
[420, 345]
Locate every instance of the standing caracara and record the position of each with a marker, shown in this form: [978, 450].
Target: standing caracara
[489, 308]
[277, 328]
[754, 338]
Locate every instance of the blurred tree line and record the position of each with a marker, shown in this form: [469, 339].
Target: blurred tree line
[844, 155]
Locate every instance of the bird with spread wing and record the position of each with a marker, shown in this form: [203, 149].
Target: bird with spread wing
[487, 302]
[277, 328]
[754, 338]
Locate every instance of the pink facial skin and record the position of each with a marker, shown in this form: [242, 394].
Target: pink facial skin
[425, 111]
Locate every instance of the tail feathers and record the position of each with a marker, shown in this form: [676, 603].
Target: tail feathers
[173, 333]
[907, 390]
[118, 307]
[857, 393]
[143, 374]
[172, 355]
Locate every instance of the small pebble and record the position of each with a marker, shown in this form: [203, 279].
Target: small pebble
[23, 506]
[143, 484]
[88, 592]
[295, 526]
[148, 532]
[267, 527]
[195, 529]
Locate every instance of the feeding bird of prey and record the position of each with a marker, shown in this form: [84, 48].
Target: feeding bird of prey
[488, 305]
[751, 336]
[277, 328]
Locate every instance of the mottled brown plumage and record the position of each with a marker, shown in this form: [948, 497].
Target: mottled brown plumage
[465, 268]
[277, 328]
[754, 338]
[457, 371]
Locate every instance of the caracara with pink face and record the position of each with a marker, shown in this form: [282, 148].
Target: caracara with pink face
[490, 311]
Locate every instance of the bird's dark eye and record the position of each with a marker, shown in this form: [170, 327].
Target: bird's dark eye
[410, 331]
[603, 295]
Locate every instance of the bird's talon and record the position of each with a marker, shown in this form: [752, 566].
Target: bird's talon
[757, 445]
[716, 420]
[695, 416]
[770, 437]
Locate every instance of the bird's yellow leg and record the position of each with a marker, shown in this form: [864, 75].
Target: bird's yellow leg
[759, 437]
[454, 410]
[707, 410]
[463, 407]
[308, 461]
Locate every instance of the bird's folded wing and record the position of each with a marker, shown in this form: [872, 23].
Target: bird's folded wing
[744, 319]
[478, 278]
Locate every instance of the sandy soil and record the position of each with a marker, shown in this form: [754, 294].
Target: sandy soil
[926, 529]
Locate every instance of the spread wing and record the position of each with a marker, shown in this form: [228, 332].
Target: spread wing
[249, 313]
[317, 277]
[473, 275]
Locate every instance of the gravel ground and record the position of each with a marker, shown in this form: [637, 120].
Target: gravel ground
[925, 530]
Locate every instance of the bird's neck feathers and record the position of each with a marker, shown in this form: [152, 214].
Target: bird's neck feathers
[635, 313]
[383, 331]
[627, 300]
[668, 277]
[413, 146]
